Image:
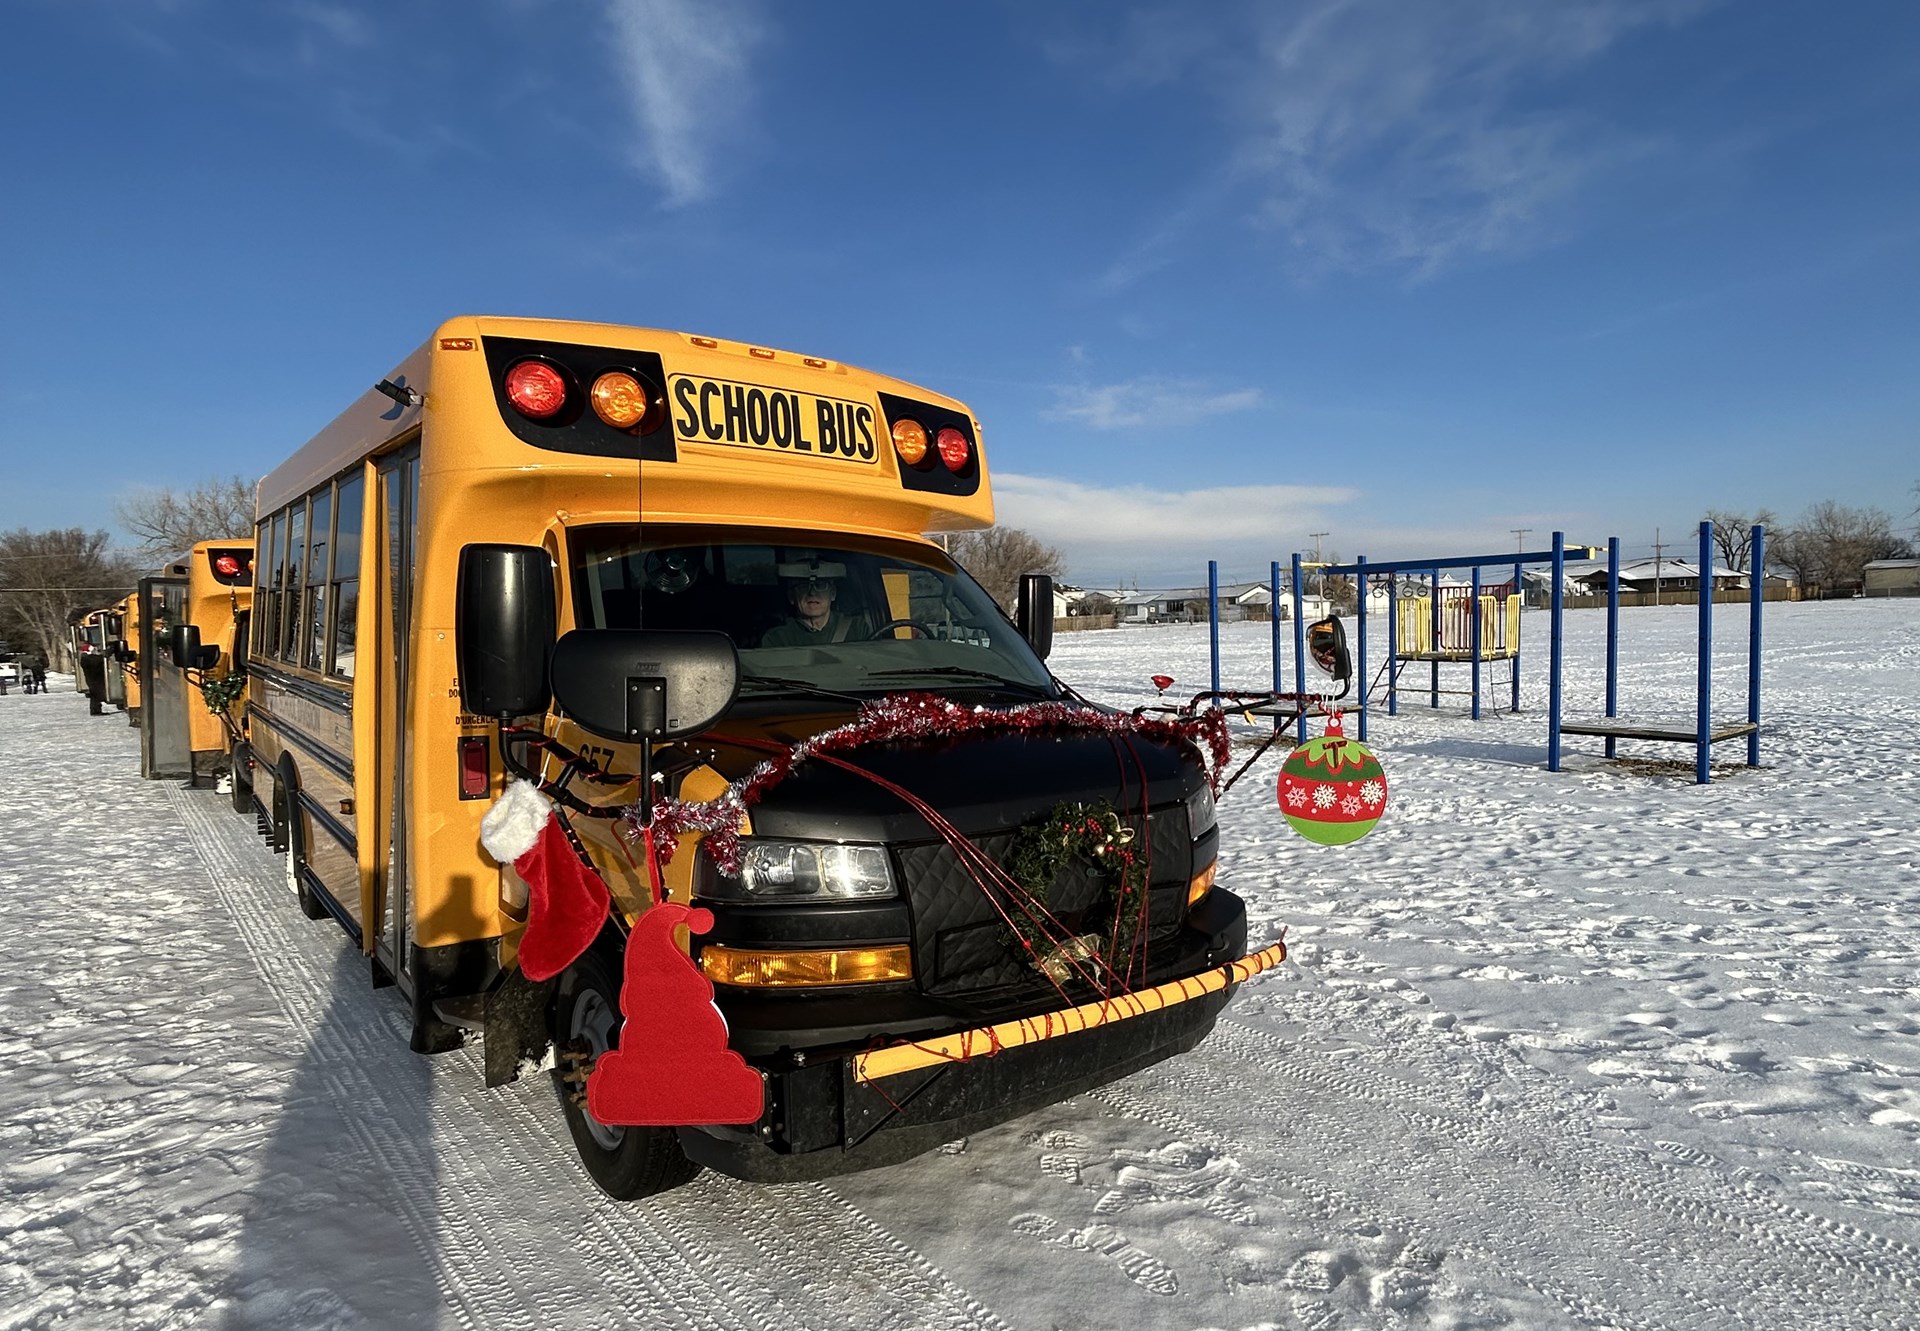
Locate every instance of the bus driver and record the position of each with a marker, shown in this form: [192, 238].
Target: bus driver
[812, 590]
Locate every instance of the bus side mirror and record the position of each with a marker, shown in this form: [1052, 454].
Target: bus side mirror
[187, 653]
[1327, 644]
[1033, 612]
[645, 684]
[504, 622]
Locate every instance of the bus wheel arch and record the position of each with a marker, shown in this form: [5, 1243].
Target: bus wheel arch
[288, 838]
[626, 1163]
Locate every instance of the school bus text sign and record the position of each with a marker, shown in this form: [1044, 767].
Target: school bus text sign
[783, 420]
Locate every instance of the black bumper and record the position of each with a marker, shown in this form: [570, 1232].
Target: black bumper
[821, 1122]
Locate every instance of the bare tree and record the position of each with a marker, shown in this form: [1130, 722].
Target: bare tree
[166, 523]
[1793, 551]
[1832, 544]
[1733, 534]
[998, 556]
[49, 577]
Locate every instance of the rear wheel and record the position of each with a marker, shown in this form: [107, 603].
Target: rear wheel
[242, 780]
[626, 1162]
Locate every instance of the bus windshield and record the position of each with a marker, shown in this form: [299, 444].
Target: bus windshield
[840, 614]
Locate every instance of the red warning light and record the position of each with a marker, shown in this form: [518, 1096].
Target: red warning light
[536, 389]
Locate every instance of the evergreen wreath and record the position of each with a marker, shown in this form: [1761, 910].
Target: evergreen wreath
[222, 693]
[1090, 832]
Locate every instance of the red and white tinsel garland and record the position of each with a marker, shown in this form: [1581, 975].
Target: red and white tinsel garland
[916, 716]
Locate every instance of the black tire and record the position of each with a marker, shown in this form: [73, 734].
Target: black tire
[625, 1163]
[287, 839]
[242, 794]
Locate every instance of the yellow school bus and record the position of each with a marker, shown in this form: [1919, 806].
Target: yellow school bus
[612, 559]
[124, 664]
[208, 643]
[92, 645]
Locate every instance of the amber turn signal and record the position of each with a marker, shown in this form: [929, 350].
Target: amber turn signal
[1201, 885]
[768, 967]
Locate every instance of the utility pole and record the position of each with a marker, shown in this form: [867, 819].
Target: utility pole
[1657, 548]
[1522, 533]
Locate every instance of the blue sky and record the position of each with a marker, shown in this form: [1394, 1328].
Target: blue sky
[1214, 276]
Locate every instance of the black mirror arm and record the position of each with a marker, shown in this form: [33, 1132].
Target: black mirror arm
[556, 788]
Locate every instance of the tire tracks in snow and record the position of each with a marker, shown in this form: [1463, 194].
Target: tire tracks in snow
[487, 1180]
[1501, 1191]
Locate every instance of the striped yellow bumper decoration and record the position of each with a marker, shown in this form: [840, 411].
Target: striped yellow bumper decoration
[986, 1041]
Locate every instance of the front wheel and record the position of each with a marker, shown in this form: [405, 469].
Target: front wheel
[625, 1162]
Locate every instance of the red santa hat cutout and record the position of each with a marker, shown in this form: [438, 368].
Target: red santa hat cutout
[673, 1067]
[566, 900]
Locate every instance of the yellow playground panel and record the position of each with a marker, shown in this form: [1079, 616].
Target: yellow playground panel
[1499, 628]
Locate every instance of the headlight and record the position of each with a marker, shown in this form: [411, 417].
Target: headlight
[800, 871]
[1202, 817]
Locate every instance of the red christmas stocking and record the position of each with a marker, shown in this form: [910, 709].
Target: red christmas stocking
[566, 900]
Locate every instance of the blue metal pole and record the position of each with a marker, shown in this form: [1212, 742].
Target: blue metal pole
[1473, 639]
[1393, 644]
[1273, 621]
[1213, 617]
[1514, 647]
[1758, 564]
[1613, 636]
[1299, 636]
[1360, 581]
[1554, 654]
[1438, 622]
[1703, 725]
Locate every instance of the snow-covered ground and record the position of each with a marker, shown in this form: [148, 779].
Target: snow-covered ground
[1596, 1049]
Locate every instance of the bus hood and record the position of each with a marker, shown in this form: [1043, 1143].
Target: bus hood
[979, 782]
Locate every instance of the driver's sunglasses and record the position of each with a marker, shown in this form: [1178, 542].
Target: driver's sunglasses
[811, 584]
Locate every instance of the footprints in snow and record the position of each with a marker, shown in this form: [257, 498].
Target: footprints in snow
[1142, 1268]
[1316, 1284]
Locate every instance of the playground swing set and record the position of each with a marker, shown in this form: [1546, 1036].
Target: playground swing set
[1479, 628]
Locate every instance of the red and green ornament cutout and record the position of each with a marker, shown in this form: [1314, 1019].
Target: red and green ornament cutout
[1332, 789]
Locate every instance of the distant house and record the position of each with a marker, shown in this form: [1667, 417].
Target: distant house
[1175, 605]
[1188, 605]
[1649, 575]
[1892, 577]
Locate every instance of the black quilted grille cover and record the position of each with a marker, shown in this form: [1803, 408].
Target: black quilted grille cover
[964, 950]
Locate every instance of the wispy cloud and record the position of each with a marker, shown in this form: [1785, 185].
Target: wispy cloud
[1378, 134]
[1163, 536]
[1145, 403]
[1113, 533]
[1415, 136]
[684, 64]
[338, 24]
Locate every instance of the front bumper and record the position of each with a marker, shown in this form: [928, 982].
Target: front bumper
[890, 1104]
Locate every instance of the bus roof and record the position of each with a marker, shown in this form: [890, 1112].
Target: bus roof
[442, 380]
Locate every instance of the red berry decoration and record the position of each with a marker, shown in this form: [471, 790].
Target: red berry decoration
[1332, 789]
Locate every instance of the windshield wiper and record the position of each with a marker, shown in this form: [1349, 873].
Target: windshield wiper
[962, 672]
[781, 684]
